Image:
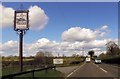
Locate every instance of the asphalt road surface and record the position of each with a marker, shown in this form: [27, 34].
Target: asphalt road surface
[94, 71]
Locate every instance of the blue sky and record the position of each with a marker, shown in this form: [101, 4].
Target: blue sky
[62, 16]
[65, 15]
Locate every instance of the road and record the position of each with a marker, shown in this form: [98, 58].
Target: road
[67, 70]
[94, 71]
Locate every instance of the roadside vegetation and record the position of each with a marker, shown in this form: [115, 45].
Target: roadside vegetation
[112, 55]
[42, 74]
[10, 64]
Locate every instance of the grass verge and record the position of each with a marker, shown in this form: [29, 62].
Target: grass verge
[49, 73]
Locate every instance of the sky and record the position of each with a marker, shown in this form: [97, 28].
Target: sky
[61, 27]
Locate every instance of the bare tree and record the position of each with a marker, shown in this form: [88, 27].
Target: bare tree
[40, 54]
[112, 49]
[40, 58]
[102, 55]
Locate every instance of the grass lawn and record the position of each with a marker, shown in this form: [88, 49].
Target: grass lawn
[49, 73]
[14, 69]
[43, 74]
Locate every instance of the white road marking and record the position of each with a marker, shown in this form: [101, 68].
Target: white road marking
[74, 71]
[69, 75]
[95, 64]
[103, 70]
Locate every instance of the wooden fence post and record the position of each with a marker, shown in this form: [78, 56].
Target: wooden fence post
[33, 74]
[55, 68]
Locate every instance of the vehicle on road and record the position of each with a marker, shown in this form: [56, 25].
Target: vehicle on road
[88, 59]
[97, 61]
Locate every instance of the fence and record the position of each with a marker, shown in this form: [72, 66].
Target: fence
[11, 76]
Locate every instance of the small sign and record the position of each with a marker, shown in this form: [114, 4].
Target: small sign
[21, 20]
[57, 61]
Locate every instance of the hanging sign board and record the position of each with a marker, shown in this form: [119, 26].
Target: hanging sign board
[21, 20]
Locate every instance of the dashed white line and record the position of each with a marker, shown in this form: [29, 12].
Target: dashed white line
[97, 65]
[103, 70]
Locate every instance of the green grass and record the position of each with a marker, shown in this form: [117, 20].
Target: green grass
[14, 69]
[49, 73]
[5, 59]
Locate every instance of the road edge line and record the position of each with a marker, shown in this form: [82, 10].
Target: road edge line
[74, 71]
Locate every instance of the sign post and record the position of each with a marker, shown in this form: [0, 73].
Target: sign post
[21, 25]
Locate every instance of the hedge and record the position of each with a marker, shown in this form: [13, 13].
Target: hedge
[112, 60]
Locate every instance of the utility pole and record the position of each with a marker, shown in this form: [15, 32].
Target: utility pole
[58, 54]
[83, 51]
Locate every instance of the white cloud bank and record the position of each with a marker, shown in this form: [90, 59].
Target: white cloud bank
[83, 34]
[78, 34]
[74, 39]
[7, 16]
[38, 18]
[66, 48]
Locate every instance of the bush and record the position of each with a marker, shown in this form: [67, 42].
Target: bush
[112, 60]
[75, 62]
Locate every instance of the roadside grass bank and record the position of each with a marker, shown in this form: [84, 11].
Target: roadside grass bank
[49, 73]
[11, 67]
[41, 74]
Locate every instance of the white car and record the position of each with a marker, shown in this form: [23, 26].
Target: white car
[88, 59]
[97, 61]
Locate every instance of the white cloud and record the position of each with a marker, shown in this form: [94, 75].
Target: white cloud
[84, 34]
[105, 27]
[7, 16]
[102, 34]
[66, 48]
[38, 18]
[78, 34]
[104, 30]
[74, 39]
[9, 48]
[97, 43]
